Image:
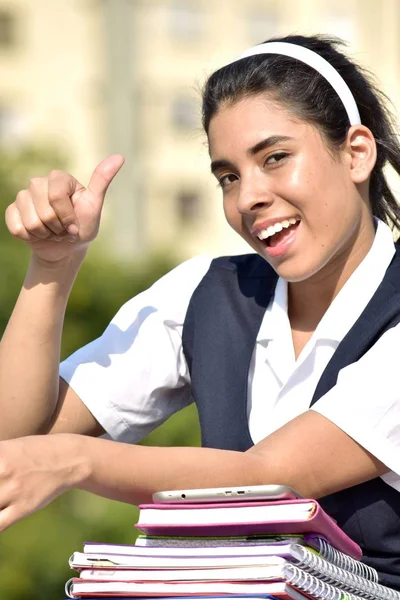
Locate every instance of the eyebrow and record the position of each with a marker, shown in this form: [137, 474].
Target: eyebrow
[267, 143]
[262, 145]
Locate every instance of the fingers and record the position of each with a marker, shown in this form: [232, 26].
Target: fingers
[103, 175]
[29, 216]
[9, 516]
[15, 225]
[38, 189]
[61, 187]
[23, 220]
[48, 209]
[13, 509]
[45, 209]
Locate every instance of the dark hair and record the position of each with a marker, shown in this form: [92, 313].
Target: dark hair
[312, 98]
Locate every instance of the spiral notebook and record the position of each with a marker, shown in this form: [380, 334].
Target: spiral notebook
[125, 555]
[294, 582]
[358, 577]
[231, 597]
[295, 595]
[272, 568]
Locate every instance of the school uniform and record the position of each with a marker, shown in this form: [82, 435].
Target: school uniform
[217, 332]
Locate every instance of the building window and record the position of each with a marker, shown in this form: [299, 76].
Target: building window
[184, 113]
[7, 29]
[186, 22]
[188, 207]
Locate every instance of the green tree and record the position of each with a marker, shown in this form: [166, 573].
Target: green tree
[34, 553]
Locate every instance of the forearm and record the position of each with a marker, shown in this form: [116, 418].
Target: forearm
[36, 469]
[132, 474]
[310, 454]
[30, 348]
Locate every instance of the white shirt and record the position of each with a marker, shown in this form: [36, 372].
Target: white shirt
[135, 375]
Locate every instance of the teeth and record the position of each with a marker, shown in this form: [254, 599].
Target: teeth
[272, 229]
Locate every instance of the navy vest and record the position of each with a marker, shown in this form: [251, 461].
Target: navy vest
[219, 335]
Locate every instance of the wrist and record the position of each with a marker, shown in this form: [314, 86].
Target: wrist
[74, 457]
[72, 261]
[63, 271]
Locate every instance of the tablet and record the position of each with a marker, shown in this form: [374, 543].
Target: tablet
[228, 494]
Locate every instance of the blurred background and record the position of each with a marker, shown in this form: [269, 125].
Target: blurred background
[80, 79]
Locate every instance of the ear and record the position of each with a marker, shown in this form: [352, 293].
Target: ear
[360, 147]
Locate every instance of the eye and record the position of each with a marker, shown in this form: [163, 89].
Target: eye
[276, 158]
[225, 180]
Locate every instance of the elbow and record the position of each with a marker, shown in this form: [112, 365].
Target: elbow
[274, 469]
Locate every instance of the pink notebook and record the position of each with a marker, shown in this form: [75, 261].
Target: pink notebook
[244, 518]
[78, 588]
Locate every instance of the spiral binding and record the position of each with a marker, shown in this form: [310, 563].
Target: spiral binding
[346, 562]
[330, 573]
[320, 590]
[68, 586]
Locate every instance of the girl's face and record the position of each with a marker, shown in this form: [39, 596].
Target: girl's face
[284, 192]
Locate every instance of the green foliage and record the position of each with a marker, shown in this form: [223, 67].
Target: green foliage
[34, 553]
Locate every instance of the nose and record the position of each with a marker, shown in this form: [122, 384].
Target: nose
[253, 195]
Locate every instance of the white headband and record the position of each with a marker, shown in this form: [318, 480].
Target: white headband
[314, 60]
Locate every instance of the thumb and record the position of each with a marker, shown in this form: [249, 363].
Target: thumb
[103, 175]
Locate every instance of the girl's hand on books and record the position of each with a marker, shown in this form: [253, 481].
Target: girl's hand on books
[57, 216]
[33, 471]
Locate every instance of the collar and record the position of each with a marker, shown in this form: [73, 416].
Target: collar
[275, 317]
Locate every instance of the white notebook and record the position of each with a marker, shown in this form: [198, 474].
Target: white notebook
[205, 514]
[114, 555]
[255, 569]
[296, 581]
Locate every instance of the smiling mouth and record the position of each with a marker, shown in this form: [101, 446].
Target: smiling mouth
[277, 233]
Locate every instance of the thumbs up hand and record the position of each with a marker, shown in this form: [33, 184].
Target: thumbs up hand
[57, 216]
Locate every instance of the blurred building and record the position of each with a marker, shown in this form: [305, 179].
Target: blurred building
[99, 76]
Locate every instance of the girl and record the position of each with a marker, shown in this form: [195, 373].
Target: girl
[289, 352]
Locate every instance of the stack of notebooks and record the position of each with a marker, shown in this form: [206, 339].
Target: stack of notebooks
[289, 550]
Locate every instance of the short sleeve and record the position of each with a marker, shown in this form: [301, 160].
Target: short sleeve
[365, 402]
[135, 375]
